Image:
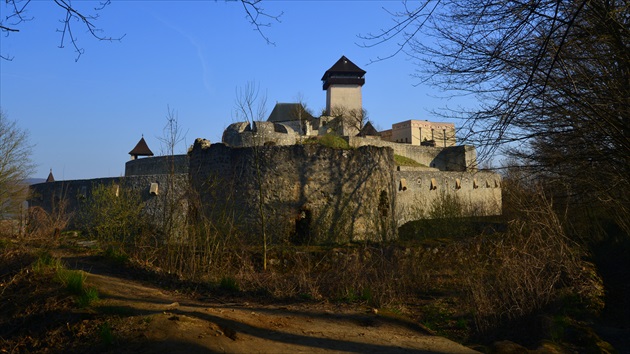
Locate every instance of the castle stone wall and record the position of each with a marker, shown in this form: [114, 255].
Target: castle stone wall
[74, 193]
[419, 193]
[259, 133]
[310, 193]
[177, 164]
[453, 158]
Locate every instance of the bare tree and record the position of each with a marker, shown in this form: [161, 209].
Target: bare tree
[69, 15]
[173, 134]
[15, 166]
[173, 212]
[552, 79]
[250, 106]
[348, 120]
[302, 113]
[72, 13]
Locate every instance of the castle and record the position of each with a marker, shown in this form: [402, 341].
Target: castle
[307, 192]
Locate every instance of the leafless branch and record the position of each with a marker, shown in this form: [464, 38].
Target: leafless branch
[72, 14]
[258, 17]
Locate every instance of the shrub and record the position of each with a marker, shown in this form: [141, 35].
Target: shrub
[229, 284]
[46, 261]
[530, 267]
[112, 214]
[333, 141]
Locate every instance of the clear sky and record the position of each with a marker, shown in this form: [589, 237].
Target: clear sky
[84, 117]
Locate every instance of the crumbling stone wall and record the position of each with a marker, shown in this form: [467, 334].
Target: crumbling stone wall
[452, 158]
[420, 192]
[73, 193]
[310, 193]
[158, 165]
[258, 133]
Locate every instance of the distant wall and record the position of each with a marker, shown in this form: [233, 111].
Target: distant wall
[479, 193]
[311, 193]
[50, 196]
[454, 158]
[157, 165]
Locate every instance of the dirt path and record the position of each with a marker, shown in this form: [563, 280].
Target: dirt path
[154, 320]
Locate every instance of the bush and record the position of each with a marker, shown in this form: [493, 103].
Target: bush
[532, 266]
[229, 284]
[333, 141]
[112, 214]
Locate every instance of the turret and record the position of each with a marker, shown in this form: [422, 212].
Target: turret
[141, 149]
[342, 83]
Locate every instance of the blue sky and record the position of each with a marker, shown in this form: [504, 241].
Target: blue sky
[84, 117]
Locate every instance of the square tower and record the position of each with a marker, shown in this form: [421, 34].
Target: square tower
[343, 82]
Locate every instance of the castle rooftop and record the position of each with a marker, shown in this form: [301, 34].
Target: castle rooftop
[141, 149]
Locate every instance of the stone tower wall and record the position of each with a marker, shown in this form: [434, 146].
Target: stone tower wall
[310, 193]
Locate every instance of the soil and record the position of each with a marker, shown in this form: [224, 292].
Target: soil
[139, 315]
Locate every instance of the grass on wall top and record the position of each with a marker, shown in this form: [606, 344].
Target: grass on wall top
[405, 161]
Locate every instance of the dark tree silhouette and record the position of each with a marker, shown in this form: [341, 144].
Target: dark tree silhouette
[551, 78]
[73, 14]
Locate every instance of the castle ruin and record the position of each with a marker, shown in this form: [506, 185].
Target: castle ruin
[310, 193]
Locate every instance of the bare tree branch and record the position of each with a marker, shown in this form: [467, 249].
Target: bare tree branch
[255, 14]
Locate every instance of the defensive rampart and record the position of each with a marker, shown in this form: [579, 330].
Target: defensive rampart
[310, 193]
[421, 194]
[453, 158]
[158, 165]
[152, 189]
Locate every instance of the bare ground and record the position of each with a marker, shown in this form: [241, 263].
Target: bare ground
[179, 324]
[142, 316]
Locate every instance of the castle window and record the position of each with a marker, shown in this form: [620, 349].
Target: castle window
[433, 184]
[153, 189]
[458, 183]
[403, 184]
[475, 185]
[83, 192]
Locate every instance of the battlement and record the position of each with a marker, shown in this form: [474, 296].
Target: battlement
[176, 164]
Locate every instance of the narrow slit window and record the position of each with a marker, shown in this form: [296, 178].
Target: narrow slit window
[154, 190]
[403, 184]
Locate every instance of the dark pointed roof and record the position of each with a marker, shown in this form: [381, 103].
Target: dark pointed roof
[343, 72]
[50, 178]
[283, 112]
[368, 130]
[141, 149]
